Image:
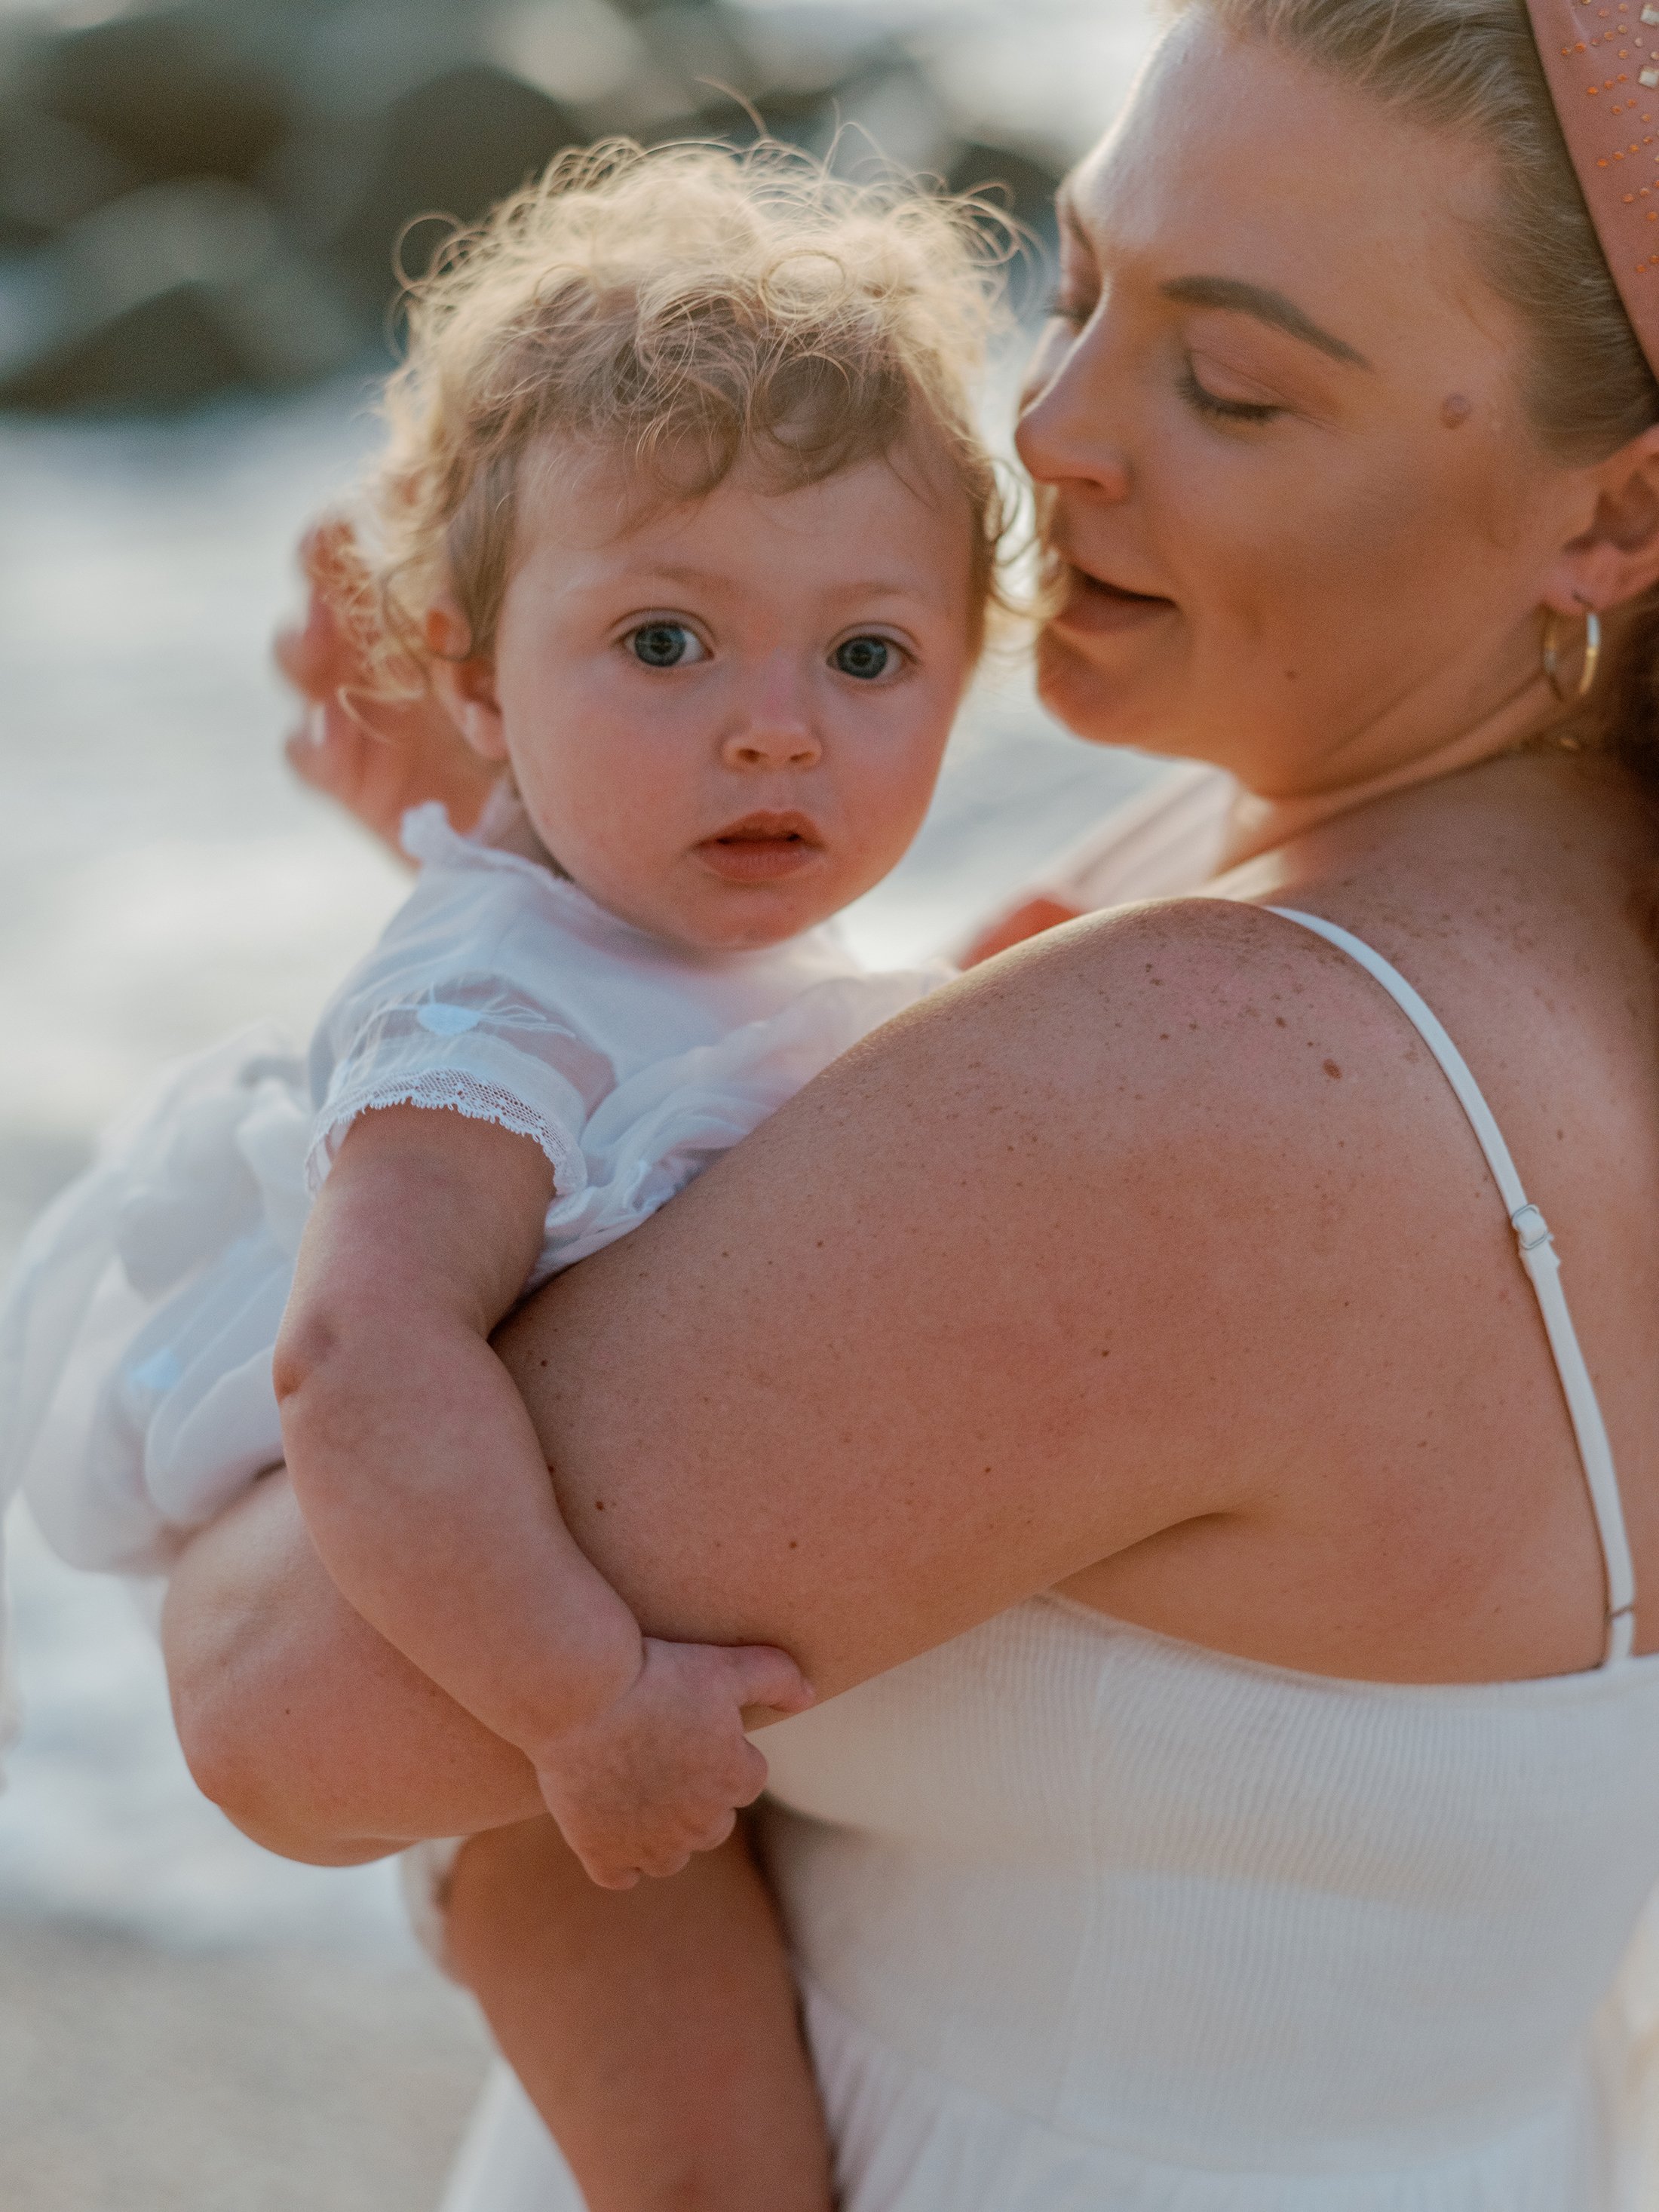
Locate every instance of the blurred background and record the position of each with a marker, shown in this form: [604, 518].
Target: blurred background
[200, 203]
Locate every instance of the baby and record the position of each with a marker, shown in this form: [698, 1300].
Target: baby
[685, 519]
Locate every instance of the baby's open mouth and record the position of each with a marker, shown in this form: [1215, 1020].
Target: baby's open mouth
[763, 848]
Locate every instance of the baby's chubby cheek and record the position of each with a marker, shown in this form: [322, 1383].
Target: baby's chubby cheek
[629, 867]
[600, 808]
[875, 845]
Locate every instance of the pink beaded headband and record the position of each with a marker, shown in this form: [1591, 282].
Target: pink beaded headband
[1602, 57]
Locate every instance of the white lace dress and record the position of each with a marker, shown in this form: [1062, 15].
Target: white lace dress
[135, 1397]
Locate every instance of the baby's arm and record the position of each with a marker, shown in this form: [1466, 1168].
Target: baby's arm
[419, 1474]
[656, 2033]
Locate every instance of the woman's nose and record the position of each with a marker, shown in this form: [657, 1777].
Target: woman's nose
[1064, 435]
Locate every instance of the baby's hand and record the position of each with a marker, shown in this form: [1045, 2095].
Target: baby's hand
[660, 1773]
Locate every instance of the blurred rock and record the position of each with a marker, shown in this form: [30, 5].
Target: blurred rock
[163, 297]
[886, 113]
[586, 54]
[449, 148]
[177, 91]
[51, 174]
[699, 43]
[197, 194]
[1009, 178]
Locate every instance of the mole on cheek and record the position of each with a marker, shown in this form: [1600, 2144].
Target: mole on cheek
[1456, 411]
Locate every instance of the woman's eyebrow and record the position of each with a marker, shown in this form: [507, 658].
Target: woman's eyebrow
[1270, 307]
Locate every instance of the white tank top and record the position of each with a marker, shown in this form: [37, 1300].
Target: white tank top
[1090, 1920]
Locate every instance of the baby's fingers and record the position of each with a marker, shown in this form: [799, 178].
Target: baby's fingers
[763, 1680]
[620, 1865]
[659, 1858]
[318, 654]
[605, 1874]
[327, 750]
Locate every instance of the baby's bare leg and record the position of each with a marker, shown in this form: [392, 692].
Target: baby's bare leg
[654, 2029]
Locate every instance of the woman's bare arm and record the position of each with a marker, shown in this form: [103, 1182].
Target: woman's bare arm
[984, 1305]
[989, 1302]
[319, 1738]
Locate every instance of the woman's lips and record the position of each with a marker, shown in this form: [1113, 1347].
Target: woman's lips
[763, 848]
[1100, 610]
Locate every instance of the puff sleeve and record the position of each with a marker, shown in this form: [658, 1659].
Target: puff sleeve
[456, 1009]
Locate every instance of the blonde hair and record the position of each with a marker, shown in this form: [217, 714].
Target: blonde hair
[690, 308]
[1470, 67]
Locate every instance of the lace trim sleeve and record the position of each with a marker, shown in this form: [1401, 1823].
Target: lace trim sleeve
[473, 1045]
[451, 1091]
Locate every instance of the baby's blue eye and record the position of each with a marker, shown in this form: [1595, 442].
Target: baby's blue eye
[866, 657]
[664, 645]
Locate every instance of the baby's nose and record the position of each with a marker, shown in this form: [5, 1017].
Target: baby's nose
[772, 745]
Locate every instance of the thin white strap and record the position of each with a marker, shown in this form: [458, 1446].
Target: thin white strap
[1538, 1257]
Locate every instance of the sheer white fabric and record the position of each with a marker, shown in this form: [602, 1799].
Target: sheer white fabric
[135, 1399]
[142, 1295]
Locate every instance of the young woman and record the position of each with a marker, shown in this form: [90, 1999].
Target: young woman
[1136, 1387]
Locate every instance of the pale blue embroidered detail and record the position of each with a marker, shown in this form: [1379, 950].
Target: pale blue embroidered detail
[444, 1020]
[161, 1371]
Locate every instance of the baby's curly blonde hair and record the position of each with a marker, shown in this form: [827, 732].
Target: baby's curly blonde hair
[691, 307]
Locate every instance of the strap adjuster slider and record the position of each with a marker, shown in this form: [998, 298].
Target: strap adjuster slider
[1530, 1228]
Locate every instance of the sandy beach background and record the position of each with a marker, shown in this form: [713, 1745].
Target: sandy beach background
[184, 2021]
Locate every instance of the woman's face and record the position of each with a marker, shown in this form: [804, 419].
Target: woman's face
[1305, 525]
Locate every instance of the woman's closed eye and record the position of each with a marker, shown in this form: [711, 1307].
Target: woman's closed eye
[1218, 406]
[666, 645]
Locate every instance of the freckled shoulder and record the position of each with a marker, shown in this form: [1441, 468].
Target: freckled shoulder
[1189, 1006]
[1202, 1094]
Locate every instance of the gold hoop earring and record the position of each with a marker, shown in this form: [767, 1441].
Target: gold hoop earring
[1571, 695]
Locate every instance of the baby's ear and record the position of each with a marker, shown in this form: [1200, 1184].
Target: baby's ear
[463, 682]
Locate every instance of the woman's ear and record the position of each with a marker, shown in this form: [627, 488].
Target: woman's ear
[464, 682]
[1617, 558]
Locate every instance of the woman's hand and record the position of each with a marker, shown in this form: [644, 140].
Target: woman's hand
[376, 758]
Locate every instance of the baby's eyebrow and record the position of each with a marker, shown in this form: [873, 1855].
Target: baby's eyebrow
[669, 572]
[874, 587]
[692, 578]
